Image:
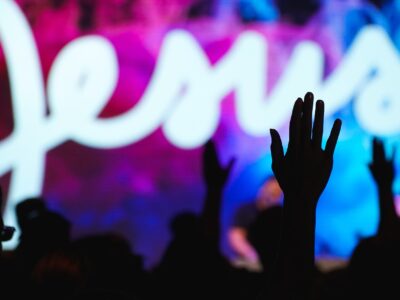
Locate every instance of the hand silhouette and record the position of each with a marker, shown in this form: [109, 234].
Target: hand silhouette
[215, 175]
[381, 167]
[383, 171]
[302, 173]
[305, 168]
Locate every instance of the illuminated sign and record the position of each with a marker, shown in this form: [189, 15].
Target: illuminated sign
[183, 96]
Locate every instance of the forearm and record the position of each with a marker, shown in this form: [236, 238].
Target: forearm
[303, 173]
[387, 208]
[295, 263]
[211, 214]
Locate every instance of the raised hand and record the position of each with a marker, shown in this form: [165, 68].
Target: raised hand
[302, 173]
[305, 168]
[381, 167]
[215, 175]
[383, 171]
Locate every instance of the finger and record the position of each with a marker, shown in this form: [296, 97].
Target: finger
[374, 149]
[333, 138]
[276, 146]
[380, 150]
[210, 146]
[307, 116]
[381, 147]
[209, 150]
[295, 125]
[318, 128]
[379, 155]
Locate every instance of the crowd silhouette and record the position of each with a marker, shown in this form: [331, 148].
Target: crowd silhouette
[48, 264]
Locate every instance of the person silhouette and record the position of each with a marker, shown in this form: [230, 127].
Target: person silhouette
[303, 173]
[269, 195]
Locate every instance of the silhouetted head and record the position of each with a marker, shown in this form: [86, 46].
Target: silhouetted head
[41, 234]
[189, 251]
[109, 264]
[270, 194]
[47, 231]
[185, 225]
[28, 210]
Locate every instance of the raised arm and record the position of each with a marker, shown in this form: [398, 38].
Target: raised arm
[215, 177]
[383, 171]
[303, 173]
